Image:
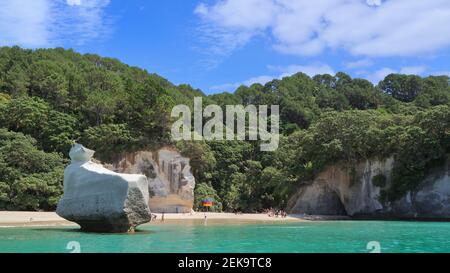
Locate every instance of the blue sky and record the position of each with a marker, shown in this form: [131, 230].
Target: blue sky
[216, 45]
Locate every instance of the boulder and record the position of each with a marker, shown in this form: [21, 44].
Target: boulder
[100, 200]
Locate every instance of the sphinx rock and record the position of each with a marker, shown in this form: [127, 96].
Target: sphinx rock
[100, 200]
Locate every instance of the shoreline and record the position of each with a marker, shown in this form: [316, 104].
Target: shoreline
[10, 219]
[51, 219]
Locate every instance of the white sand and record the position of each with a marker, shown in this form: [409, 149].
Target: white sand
[22, 218]
[224, 216]
[13, 218]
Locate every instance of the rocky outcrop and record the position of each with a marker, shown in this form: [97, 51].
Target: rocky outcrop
[171, 182]
[431, 200]
[100, 200]
[349, 190]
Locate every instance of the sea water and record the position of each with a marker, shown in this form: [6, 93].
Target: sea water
[238, 237]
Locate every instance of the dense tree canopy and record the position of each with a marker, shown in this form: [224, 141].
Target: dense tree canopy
[30, 179]
[50, 98]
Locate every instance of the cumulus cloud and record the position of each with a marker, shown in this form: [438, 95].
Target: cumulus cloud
[440, 73]
[260, 79]
[74, 2]
[367, 28]
[24, 22]
[310, 70]
[46, 23]
[279, 73]
[381, 73]
[359, 64]
[413, 70]
[373, 2]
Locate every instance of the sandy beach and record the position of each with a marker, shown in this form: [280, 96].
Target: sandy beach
[18, 219]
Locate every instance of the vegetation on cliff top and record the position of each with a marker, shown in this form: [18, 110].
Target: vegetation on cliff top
[53, 97]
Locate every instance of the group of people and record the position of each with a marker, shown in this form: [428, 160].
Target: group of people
[276, 213]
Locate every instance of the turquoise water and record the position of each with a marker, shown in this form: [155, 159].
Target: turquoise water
[332, 236]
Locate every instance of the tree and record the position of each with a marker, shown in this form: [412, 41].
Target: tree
[435, 91]
[436, 123]
[60, 132]
[30, 179]
[402, 87]
[4, 99]
[416, 154]
[331, 99]
[47, 81]
[26, 115]
[203, 191]
[16, 81]
[52, 97]
[201, 159]
[101, 104]
[108, 140]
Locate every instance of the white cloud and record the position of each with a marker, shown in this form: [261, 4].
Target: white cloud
[74, 2]
[380, 74]
[310, 70]
[413, 70]
[373, 2]
[225, 87]
[283, 71]
[245, 15]
[359, 64]
[24, 22]
[222, 43]
[366, 28]
[46, 23]
[440, 73]
[260, 79]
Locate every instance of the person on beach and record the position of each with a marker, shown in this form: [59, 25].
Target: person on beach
[162, 217]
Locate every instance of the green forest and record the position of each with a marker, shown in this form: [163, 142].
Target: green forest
[51, 98]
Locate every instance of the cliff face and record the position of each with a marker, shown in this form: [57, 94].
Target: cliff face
[349, 190]
[171, 182]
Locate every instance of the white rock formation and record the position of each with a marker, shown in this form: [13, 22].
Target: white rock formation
[431, 199]
[342, 190]
[100, 200]
[349, 190]
[171, 182]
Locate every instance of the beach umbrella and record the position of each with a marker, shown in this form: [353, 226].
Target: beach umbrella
[208, 202]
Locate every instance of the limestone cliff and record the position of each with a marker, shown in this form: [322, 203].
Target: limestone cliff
[342, 189]
[171, 182]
